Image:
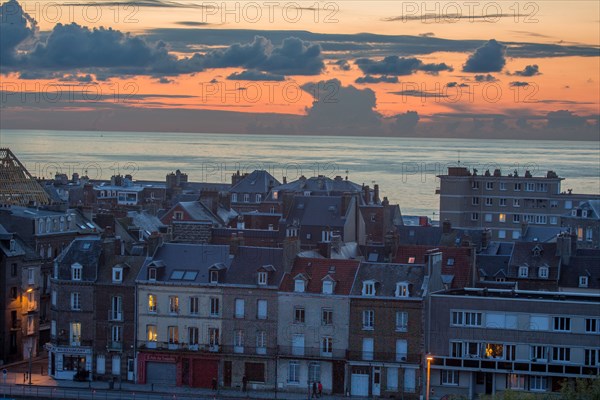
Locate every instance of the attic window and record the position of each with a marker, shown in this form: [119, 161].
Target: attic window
[327, 287]
[450, 261]
[299, 285]
[178, 215]
[536, 251]
[234, 197]
[583, 281]
[402, 289]
[214, 276]
[86, 245]
[76, 272]
[523, 272]
[368, 288]
[117, 274]
[262, 278]
[151, 274]
[543, 272]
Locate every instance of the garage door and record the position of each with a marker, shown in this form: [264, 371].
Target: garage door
[360, 385]
[204, 372]
[161, 373]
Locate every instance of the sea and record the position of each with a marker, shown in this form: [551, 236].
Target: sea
[404, 168]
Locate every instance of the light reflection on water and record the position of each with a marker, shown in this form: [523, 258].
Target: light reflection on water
[405, 168]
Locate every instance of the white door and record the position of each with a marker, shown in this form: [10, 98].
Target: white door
[130, 369]
[360, 385]
[376, 381]
[116, 365]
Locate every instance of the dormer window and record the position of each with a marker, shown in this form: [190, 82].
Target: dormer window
[450, 261]
[536, 251]
[234, 197]
[368, 288]
[214, 276]
[523, 272]
[152, 274]
[262, 278]
[299, 285]
[327, 287]
[76, 270]
[583, 281]
[117, 274]
[543, 272]
[402, 289]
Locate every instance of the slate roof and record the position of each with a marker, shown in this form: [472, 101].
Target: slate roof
[20, 248]
[456, 261]
[171, 257]
[320, 185]
[146, 221]
[131, 268]
[490, 267]
[244, 267]
[542, 234]
[315, 269]
[524, 254]
[591, 206]
[387, 276]
[198, 211]
[84, 251]
[259, 181]
[317, 211]
[585, 262]
[419, 235]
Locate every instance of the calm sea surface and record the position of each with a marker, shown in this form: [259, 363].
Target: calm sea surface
[404, 168]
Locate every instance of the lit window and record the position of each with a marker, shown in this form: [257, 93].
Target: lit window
[402, 289]
[502, 217]
[152, 303]
[75, 333]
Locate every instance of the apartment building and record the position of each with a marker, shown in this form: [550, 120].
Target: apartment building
[485, 341]
[503, 203]
[179, 309]
[313, 324]
[386, 330]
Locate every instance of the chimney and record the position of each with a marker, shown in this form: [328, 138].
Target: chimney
[291, 248]
[367, 194]
[324, 249]
[486, 238]
[565, 247]
[153, 242]
[446, 227]
[284, 180]
[376, 194]
[237, 240]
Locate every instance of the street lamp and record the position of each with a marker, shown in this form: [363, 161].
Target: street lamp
[30, 361]
[429, 358]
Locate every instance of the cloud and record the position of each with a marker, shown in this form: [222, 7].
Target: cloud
[406, 122]
[420, 93]
[165, 81]
[253, 75]
[565, 119]
[292, 57]
[487, 58]
[518, 84]
[427, 34]
[529, 70]
[16, 27]
[485, 78]
[394, 65]
[192, 23]
[344, 65]
[456, 84]
[340, 108]
[376, 79]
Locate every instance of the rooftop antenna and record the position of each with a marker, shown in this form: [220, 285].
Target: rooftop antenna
[459, 158]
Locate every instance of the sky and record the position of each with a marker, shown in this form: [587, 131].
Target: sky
[484, 69]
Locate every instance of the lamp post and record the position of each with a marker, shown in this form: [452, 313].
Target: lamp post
[30, 361]
[429, 358]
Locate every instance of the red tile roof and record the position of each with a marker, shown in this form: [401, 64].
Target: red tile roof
[462, 269]
[318, 268]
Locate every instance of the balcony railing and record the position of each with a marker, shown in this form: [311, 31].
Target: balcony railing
[311, 352]
[114, 315]
[534, 366]
[359, 355]
[115, 346]
[153, 345]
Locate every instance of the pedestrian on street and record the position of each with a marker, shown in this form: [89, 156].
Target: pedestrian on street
[244, 383]
[314, 390]
[320, 389]
[214, 383]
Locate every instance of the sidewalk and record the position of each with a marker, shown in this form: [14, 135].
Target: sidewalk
[16, 379]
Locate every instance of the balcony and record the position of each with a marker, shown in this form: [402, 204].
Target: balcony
[358, 355]
[114, 315]
[311, 352]
[114, 346]
[153, 345]
[534, 366]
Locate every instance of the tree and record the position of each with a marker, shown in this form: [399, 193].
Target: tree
[581, 389]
